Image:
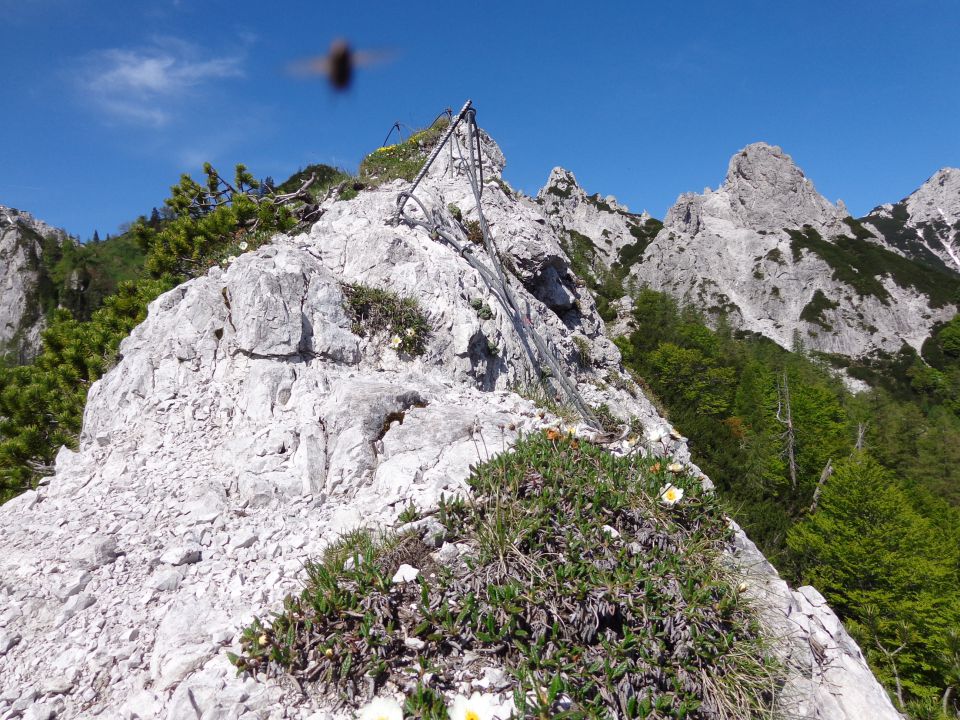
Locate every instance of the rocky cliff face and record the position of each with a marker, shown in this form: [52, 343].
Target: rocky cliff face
[249, 423]
[777, 258]
[611, 224]
[925, 225]
[21, 248]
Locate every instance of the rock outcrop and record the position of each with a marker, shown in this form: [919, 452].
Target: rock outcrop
[249, 422]
[611, 225]
[21, 247]
[776, 258]
[925, 225]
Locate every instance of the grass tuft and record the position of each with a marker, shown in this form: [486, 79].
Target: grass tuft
[374, 311]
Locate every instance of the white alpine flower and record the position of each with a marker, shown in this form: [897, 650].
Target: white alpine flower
[656, 434]
[243, 245]
[231, 259]
[395, 342]
[411, 332]
[476, 707]
[381, 709]
[670, 495]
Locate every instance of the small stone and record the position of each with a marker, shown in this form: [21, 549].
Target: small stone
[165, 580]
[97, 551]
[414, 643]
[405, 573]
[181, 554]
[243, 539]
[8, 639]
[610, 532]
[447, 554]
[56, 686]
[39, 711]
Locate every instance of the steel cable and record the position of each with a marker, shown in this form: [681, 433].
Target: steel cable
[495, 279]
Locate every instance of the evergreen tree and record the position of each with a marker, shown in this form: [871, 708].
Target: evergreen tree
[890, 572]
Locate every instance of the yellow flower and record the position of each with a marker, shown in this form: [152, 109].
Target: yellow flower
[670, 495]
[381, 709]
[395, 342]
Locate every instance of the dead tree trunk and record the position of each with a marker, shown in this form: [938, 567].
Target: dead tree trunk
[891, 655]
[824, 476]
[785, 417]
[861, 433]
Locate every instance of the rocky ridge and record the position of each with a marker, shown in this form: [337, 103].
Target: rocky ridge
[776, 258]
[21, 246]
[568, 207]
[247, 425]
[925, 225]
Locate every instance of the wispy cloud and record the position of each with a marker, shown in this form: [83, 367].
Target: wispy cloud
[146, 85]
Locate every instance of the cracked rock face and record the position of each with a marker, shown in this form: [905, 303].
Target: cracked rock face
[21, 317]
[248, 424]
[728, 252]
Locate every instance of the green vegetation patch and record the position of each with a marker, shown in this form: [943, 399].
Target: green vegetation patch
[599, 203]
[602, 594]
[630, 255]
[563, 194]
[813, 311]
[374, 311]
[860, 263]
[402, 160]
[324, 178]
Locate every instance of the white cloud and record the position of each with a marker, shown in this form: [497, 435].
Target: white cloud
[146, 85]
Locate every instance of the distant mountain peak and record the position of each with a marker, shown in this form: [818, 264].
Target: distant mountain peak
[763, 190]
[925, 225]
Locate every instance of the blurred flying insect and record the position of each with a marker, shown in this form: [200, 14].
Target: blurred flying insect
[340, 63]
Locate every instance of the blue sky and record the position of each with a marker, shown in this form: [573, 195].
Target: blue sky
[106, 103]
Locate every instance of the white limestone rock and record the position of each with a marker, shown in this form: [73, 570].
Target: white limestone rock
[21, 247]
[247, 423]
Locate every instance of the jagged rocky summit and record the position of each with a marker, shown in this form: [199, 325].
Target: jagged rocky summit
[22, 239]
[925, 225]
[247, 425]
[775, 257]
[571, 210]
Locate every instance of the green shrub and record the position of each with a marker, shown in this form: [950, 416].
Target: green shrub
[813, 311]
[375, 311]
[575, 577]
